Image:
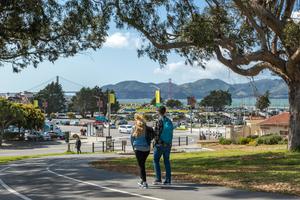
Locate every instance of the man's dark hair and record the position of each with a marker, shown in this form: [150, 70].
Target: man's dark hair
[162, 110]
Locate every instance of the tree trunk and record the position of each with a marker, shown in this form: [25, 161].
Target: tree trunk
[1, 135]
[294, 132]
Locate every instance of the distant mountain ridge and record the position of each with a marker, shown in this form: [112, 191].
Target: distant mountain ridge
[199, 89]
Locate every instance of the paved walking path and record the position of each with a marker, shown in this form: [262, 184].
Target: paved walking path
[71, 177]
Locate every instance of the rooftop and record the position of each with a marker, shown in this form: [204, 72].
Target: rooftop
[277, 120]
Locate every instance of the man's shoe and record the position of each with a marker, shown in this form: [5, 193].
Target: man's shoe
[167, 183]
[157, 182]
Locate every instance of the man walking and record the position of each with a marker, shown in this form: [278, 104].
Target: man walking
[78, 145]
[162, 146]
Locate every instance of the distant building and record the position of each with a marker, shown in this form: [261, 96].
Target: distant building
[278, 124]
[253, 124]
[21, 97]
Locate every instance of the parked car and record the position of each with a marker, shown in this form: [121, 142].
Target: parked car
[112, 125]
[74, 123]
[122, 122]
[125, 129]
[33, 136]
[46, 136]
[56, 135]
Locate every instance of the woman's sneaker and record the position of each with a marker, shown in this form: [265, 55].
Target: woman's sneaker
[140, 183]
[143, 185]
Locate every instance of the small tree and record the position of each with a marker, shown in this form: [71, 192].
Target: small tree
[71, 115]
[10, 113]
[34, 118]
[263, 102]
[87, 100]
[173, 103]
[54, 96]
[217, 99]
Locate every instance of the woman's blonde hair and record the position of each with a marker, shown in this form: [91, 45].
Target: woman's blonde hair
[139, 123]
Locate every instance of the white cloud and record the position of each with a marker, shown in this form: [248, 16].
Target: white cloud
[182, 73]
[171, 68]
[117, 40]
[122, 40]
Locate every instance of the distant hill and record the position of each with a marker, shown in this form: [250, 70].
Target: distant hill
[199, 89]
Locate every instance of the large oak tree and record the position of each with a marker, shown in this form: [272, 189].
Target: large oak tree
[37, 30]
[247, 36]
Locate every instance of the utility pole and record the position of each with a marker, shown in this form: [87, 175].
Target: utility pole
[108, 116]
[191, 118]
[111, 100]
[99, 103]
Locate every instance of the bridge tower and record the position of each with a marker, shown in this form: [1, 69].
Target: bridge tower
[170, 96]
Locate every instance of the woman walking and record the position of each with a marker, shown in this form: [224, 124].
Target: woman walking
[141, 139]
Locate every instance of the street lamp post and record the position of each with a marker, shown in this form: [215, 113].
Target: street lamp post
[100, 103]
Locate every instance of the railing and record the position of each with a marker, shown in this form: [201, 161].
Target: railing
[119, 145]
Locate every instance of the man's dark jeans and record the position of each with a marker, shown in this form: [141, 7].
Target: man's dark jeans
[158, 151]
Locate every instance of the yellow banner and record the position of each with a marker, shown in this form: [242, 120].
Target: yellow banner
[111, 98]
[35, 103]
[157, 96]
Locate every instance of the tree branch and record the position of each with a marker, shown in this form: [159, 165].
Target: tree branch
[265, 58]
[249, 15]
[278, 9]
[289, 6]
[267, 17]
[296, 56]
[293, 63]
[253, 71]
[163, 46]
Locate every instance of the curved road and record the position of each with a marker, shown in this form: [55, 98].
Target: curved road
[71, 177]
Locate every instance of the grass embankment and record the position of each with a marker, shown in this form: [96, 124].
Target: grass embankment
[6, 159]
[262, 168]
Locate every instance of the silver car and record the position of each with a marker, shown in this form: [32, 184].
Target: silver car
[125, 129]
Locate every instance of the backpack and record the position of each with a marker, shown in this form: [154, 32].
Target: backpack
[166, 135]
[149, 134]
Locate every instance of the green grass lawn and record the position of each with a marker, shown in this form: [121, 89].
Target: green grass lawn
[6, 159]
[254, 168]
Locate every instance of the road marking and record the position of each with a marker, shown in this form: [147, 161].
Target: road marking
[5, 168]
[13, 191]
[10, 189]
[102, 187]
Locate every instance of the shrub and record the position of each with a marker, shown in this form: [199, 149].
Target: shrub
[284, 141]
[224, 141]
[12, 136]
[244, 140]
[252, 136]
[269, 139]
[53, 116]
[253, 143]
[70, 115]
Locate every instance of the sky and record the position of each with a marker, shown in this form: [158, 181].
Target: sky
[116, 61]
